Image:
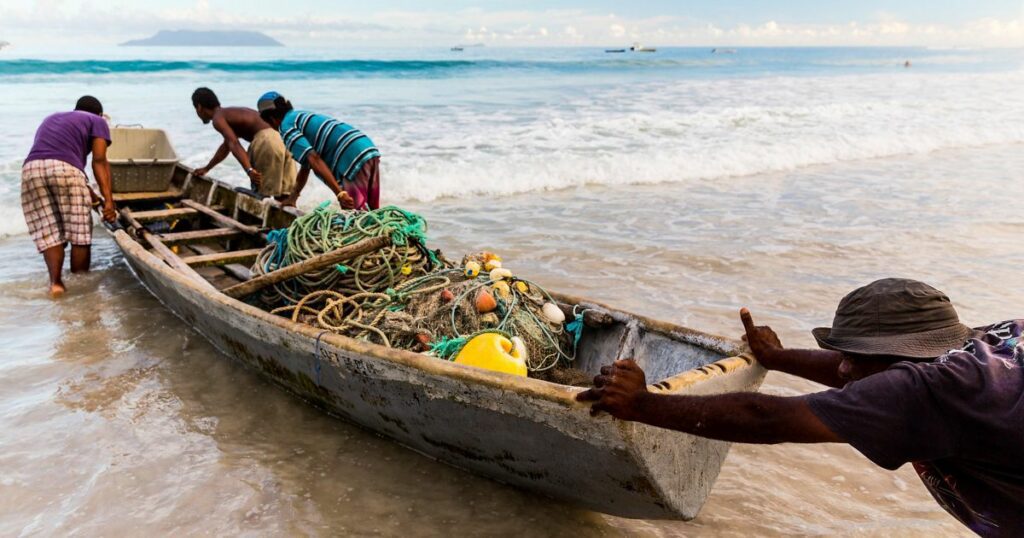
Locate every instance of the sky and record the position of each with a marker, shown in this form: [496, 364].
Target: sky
[407, 23]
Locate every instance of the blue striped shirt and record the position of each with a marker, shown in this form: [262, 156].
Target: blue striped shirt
[344, 148]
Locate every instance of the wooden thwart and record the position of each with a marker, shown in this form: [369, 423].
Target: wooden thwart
[160, 249]
[129, 217]
[222, 258]
[147, 196]
[222, 219]
[164, 214]
[168, 255]
[193, 235]
[239, 272]
[313, 264]
[185, 264]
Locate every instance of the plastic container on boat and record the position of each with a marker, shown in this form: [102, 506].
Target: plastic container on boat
[140, 159]
[493, 351]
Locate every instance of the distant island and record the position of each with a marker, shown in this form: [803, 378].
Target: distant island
[192, 38]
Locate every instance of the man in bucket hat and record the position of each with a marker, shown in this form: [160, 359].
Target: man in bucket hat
[911, 384]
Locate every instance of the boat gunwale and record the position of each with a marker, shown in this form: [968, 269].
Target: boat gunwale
[565, 395]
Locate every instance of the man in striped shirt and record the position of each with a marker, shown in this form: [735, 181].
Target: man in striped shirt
[342, 156]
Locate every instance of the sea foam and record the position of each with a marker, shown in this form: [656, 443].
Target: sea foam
[501, 135]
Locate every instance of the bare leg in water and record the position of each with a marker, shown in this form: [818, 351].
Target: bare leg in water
[54, 258]
[81, 258]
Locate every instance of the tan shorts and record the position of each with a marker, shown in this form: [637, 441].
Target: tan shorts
[56, 202]
[270, 158]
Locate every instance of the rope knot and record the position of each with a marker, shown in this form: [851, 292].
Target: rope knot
[395, 295]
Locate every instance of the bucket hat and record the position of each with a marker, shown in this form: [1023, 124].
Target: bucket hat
[895, 316]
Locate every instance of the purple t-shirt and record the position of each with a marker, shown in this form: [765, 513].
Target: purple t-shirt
[958, 419]
[67, 136]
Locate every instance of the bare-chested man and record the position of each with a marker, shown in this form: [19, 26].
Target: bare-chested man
[267, 163]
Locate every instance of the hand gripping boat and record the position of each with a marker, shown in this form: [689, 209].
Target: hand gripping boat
[516, 430]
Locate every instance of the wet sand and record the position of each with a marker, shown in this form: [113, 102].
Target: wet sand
[117, 419]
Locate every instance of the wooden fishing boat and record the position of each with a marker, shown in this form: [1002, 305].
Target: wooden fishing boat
[520, 431]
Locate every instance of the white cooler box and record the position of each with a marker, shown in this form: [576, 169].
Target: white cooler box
[141, 160]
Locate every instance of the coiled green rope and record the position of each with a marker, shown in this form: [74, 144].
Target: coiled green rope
[324, 229]
[364, 298]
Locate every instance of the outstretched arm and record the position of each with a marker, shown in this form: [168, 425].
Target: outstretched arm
[820, 365]
[324, 173]
[236, 149]
[218, 157]
[101, 171]
[742, 417]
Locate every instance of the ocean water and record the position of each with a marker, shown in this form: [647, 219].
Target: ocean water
[498, 122]
[681, 184]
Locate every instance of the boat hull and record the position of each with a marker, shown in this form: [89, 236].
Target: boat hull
[518, 431]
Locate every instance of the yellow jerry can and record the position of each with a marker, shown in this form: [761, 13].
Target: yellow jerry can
[493, 351]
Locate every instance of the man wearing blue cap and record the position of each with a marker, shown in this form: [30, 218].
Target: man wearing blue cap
[342, 156]
[266, 162]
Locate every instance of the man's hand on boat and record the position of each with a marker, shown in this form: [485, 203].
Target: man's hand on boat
[908, 380]
[255, 178]
[618, 391]
[743, 417]
[746, 417]
[108, 210]
[763, 341]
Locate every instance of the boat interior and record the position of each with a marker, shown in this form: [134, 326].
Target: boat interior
[212, 232]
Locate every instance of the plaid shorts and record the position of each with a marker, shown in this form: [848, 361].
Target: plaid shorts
[56, 202]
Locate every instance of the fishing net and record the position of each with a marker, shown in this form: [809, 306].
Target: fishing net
[407, 296]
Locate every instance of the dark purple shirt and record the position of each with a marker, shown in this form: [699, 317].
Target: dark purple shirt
[67, 136]
[958, 419]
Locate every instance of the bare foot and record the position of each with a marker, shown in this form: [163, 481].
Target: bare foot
[56, 290]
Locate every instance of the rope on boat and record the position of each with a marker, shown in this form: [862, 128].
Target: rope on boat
[392, 296]
[323, 230]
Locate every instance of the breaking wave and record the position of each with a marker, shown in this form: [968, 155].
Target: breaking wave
[530, 134]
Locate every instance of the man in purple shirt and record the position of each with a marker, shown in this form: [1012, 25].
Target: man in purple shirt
[911, 384]
[55, 194]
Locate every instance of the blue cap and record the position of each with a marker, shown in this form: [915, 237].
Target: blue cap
[266, 101]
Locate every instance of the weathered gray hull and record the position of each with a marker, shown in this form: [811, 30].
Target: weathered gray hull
[519, 431]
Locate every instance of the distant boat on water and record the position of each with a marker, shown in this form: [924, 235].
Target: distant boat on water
[637, 47]
[723, 51]
[462, 47]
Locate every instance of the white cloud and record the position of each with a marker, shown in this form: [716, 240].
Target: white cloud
[88, 21]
